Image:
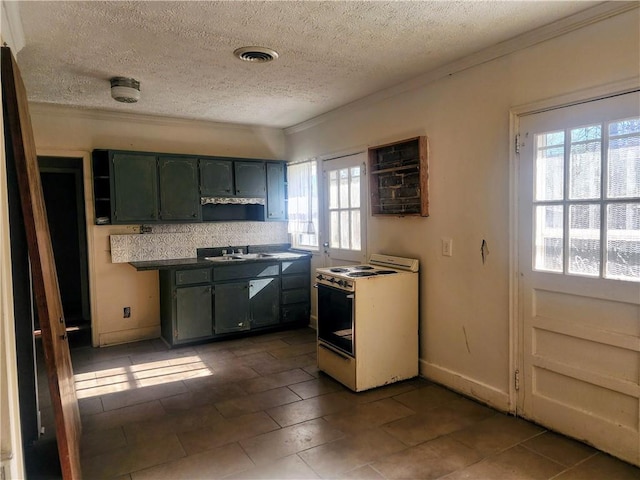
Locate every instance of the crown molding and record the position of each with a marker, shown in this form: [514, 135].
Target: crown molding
[560, 27]
[65, 111]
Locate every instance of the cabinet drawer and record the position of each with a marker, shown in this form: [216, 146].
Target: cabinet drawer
[295, 296]
[190, 277]
[295, 313]
[295, 281]
[297, 266]
[252, 270]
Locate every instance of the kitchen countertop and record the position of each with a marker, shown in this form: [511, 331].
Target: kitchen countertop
[201, 262]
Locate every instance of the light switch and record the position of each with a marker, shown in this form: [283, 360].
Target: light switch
[447, 247]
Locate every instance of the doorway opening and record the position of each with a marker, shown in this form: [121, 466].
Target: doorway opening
[63, 191]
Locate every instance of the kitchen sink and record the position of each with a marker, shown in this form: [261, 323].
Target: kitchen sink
[224, 259]
[241, 256]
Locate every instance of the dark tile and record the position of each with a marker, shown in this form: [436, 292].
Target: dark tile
[317, 386]
[282, 364]
[559, 448]
[601, 466]
[199, 398]
[100, 441]
[216, 463]
[430, 396]
[227, 431]
[132, 458]
[369, 415]
[429, 460]
[123, 416]
[268, 447]
[497, 433]
[256, 402]
[380, 392]
[309, 409]
[350, 452]
[269, 382]
[294, 350]
[183, 421]
[521, 462]
[287, 468]
[434, 422]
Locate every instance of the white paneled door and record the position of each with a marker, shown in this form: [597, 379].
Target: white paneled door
[345, 210]
[579, 270]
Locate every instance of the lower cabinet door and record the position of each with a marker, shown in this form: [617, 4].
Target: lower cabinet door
[264, 297]
[193, 313]
[231, 307]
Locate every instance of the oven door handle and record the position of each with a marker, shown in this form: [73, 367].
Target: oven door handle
[352, 296]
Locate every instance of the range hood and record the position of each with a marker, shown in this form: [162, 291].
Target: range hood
[232, 201]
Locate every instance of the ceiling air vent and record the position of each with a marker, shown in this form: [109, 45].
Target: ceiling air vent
[256, 54]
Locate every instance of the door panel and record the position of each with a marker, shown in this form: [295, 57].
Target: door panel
[20, 145]
[251, 179]
[179, 195]
[193, 313]
[135, 188]
[345, 207]
[231, 307]
[264, 297]
[580, 330]
[216, 178]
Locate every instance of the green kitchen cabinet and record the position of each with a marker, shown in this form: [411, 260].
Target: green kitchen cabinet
[231, 307]
[179, 194]
[216, 177]
[276, 186]
[264, 302]
[295, 298]
[246, 296]
[186, 305]
[134, 188]
[250, 178]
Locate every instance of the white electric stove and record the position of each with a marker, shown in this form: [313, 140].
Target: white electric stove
[368, 321]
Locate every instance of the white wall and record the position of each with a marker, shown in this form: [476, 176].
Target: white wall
[465, 320]
[75, 133]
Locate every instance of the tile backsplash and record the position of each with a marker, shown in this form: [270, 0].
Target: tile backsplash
[167, 242]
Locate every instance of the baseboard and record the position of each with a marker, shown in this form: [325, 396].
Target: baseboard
[128, 336]
[471, 388]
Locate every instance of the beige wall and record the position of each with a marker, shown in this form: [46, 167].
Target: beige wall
[465, 319]
[68, 132]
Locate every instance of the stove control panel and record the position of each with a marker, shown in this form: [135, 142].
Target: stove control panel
[334, 282]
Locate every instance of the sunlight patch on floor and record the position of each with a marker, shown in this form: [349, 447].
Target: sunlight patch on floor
[120, 379]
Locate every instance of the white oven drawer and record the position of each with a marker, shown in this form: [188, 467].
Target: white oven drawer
[337, 365]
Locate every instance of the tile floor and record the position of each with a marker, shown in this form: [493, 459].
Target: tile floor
[258, 408]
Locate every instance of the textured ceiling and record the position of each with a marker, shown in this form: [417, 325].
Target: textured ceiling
[331, 53]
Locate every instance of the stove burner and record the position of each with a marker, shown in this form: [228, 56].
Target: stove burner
[362, 267]
[385, 272]
[361, 274]
[338, 270]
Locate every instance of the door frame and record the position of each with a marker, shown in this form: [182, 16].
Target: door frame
[323, 235]
[516, 334]
[89, 215]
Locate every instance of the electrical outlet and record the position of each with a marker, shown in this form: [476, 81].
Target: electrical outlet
[127, 312]
[447, 247]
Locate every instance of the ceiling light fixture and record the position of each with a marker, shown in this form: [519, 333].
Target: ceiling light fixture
[256, 54]
[125, 90]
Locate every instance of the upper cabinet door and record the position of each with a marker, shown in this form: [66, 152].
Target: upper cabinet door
[276, 191]
[250, 179]
[216, 178]
[134, 180]
[179, 194]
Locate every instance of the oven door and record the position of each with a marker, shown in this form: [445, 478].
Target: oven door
[336, 318]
